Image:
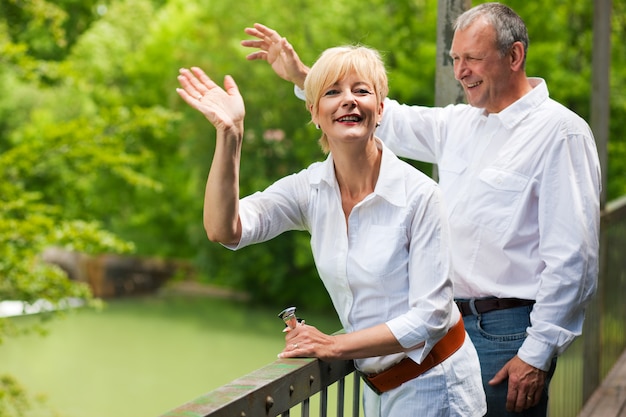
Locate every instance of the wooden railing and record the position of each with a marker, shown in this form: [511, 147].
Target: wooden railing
[276, 389]
[280, 386]
[585, 364]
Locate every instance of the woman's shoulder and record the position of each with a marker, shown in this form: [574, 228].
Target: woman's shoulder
[407, 170]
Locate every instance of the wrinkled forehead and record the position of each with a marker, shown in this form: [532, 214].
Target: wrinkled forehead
[478, 37]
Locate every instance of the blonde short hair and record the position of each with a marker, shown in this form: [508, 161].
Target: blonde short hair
[335, 64]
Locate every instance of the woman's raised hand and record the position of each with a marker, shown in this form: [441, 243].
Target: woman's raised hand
[224, 108]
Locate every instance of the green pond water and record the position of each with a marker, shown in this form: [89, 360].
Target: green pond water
[140, 357]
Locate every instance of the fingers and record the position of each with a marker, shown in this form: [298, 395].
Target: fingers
[292, 348]
[195, 84]
[500, 376]
[202, 82]
[519, 401]
[525, 391]
[525, 384]
[297, 344]
[257, 55]
[253, 43]
[266, 37]
[532, 399]
[262, 31]
[515, 401]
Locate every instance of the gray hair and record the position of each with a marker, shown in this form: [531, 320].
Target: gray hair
[508, 25]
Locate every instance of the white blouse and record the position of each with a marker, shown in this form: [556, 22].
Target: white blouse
[390, 263]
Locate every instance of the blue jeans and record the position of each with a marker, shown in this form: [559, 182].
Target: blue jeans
[497, 336]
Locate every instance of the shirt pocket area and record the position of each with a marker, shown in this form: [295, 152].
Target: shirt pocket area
[384, 251]
[496, 198]
[450, 169]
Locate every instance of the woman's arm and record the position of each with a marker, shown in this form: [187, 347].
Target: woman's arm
[307, 341]
[224, 108]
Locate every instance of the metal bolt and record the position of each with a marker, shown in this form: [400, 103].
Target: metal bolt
[269, 403]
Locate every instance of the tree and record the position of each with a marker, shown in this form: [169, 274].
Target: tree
[99, 154]
[52, 158]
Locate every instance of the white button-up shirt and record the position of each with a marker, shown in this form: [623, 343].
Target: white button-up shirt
[522, 192]
[390, 263]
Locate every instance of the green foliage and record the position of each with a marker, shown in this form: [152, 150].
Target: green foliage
[99, 154]
[13, 399]
[97, 150]
[95, 93]
[617, 142]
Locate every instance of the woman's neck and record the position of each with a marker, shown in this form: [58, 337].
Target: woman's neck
[357, 174]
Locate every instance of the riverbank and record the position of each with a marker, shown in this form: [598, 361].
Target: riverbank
[142, 356]
[10, 308]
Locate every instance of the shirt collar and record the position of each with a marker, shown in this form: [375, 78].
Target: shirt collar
[516, 112]
[390, 180]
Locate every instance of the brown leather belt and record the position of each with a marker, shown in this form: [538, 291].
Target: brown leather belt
[491, 304]
[407, 369]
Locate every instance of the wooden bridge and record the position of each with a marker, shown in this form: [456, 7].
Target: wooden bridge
[609, 400]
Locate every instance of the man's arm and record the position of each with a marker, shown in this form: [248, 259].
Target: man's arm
[569, 228]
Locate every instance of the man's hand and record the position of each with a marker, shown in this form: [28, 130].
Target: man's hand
[277, 52]
[525, 384]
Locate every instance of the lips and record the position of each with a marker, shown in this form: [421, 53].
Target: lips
[472, 85]
[350, 118]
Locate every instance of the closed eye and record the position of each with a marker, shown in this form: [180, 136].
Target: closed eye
[467, 58]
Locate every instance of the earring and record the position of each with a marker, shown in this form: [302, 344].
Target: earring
[317, 127]
[377, 124]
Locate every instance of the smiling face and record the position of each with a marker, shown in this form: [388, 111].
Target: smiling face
[345, 89]
[486, 75]
[348, 110]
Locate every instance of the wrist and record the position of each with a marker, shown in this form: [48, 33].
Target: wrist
[300, 76]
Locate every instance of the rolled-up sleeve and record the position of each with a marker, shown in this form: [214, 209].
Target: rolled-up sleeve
[430, 287]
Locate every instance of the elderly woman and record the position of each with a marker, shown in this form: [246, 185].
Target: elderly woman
[378, 234]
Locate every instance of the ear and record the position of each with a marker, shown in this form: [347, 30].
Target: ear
[313, 116]
[517, 56]
[381, 106]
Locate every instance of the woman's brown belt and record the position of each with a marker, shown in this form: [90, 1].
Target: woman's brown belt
[407, 369]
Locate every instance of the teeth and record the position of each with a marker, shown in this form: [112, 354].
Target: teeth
[349, 119]
[473, 84]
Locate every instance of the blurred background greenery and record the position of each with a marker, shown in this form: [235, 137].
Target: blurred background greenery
[99, 154]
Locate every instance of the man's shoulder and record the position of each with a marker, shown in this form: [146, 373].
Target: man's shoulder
[556, 113]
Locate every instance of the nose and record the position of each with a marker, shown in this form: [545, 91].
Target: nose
[460, 68]
[349, 99]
